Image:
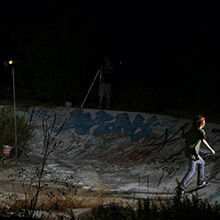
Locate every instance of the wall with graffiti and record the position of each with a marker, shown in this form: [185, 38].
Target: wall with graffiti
[145, 145]
[100, 122]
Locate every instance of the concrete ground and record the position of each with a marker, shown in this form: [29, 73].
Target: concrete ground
[131, 154]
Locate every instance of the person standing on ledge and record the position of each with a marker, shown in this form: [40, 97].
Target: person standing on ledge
[193, 139]
[105, 88]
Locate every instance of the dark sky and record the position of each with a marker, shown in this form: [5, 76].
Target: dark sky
[130, 28]
[163, 42]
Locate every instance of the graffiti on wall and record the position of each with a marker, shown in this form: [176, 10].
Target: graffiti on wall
[136, 127]
[103, 123]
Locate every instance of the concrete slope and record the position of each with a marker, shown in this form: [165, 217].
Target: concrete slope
[123, 151]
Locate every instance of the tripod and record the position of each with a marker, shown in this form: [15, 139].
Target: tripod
[99, 72]
[15, 146]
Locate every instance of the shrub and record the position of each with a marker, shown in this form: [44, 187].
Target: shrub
[178, 207]
[7, 129]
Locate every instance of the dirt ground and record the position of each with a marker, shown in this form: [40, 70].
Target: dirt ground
[5, 167]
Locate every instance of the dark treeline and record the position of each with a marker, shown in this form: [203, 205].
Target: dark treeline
[55, 54]
[170, 59]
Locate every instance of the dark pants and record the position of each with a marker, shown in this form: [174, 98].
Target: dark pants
[191, 171]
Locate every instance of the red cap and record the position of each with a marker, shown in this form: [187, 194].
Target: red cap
[201, 119]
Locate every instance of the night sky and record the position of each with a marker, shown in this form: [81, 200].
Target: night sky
[174, 46]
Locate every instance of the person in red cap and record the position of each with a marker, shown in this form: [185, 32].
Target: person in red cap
[193, 139]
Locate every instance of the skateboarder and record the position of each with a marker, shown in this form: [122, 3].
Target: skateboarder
[193, 139]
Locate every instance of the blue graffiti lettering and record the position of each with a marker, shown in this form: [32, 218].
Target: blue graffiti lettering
[105, 123]
[129, 128]
[79, 120]
[145, 127]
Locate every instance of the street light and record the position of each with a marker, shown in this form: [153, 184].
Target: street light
[11, 62]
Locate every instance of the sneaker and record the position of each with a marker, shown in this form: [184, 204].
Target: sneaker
[180, 191]
[204, 183]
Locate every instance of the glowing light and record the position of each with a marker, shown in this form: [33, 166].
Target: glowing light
[10, 62]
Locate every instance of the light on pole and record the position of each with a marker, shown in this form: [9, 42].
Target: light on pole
[11, 62]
